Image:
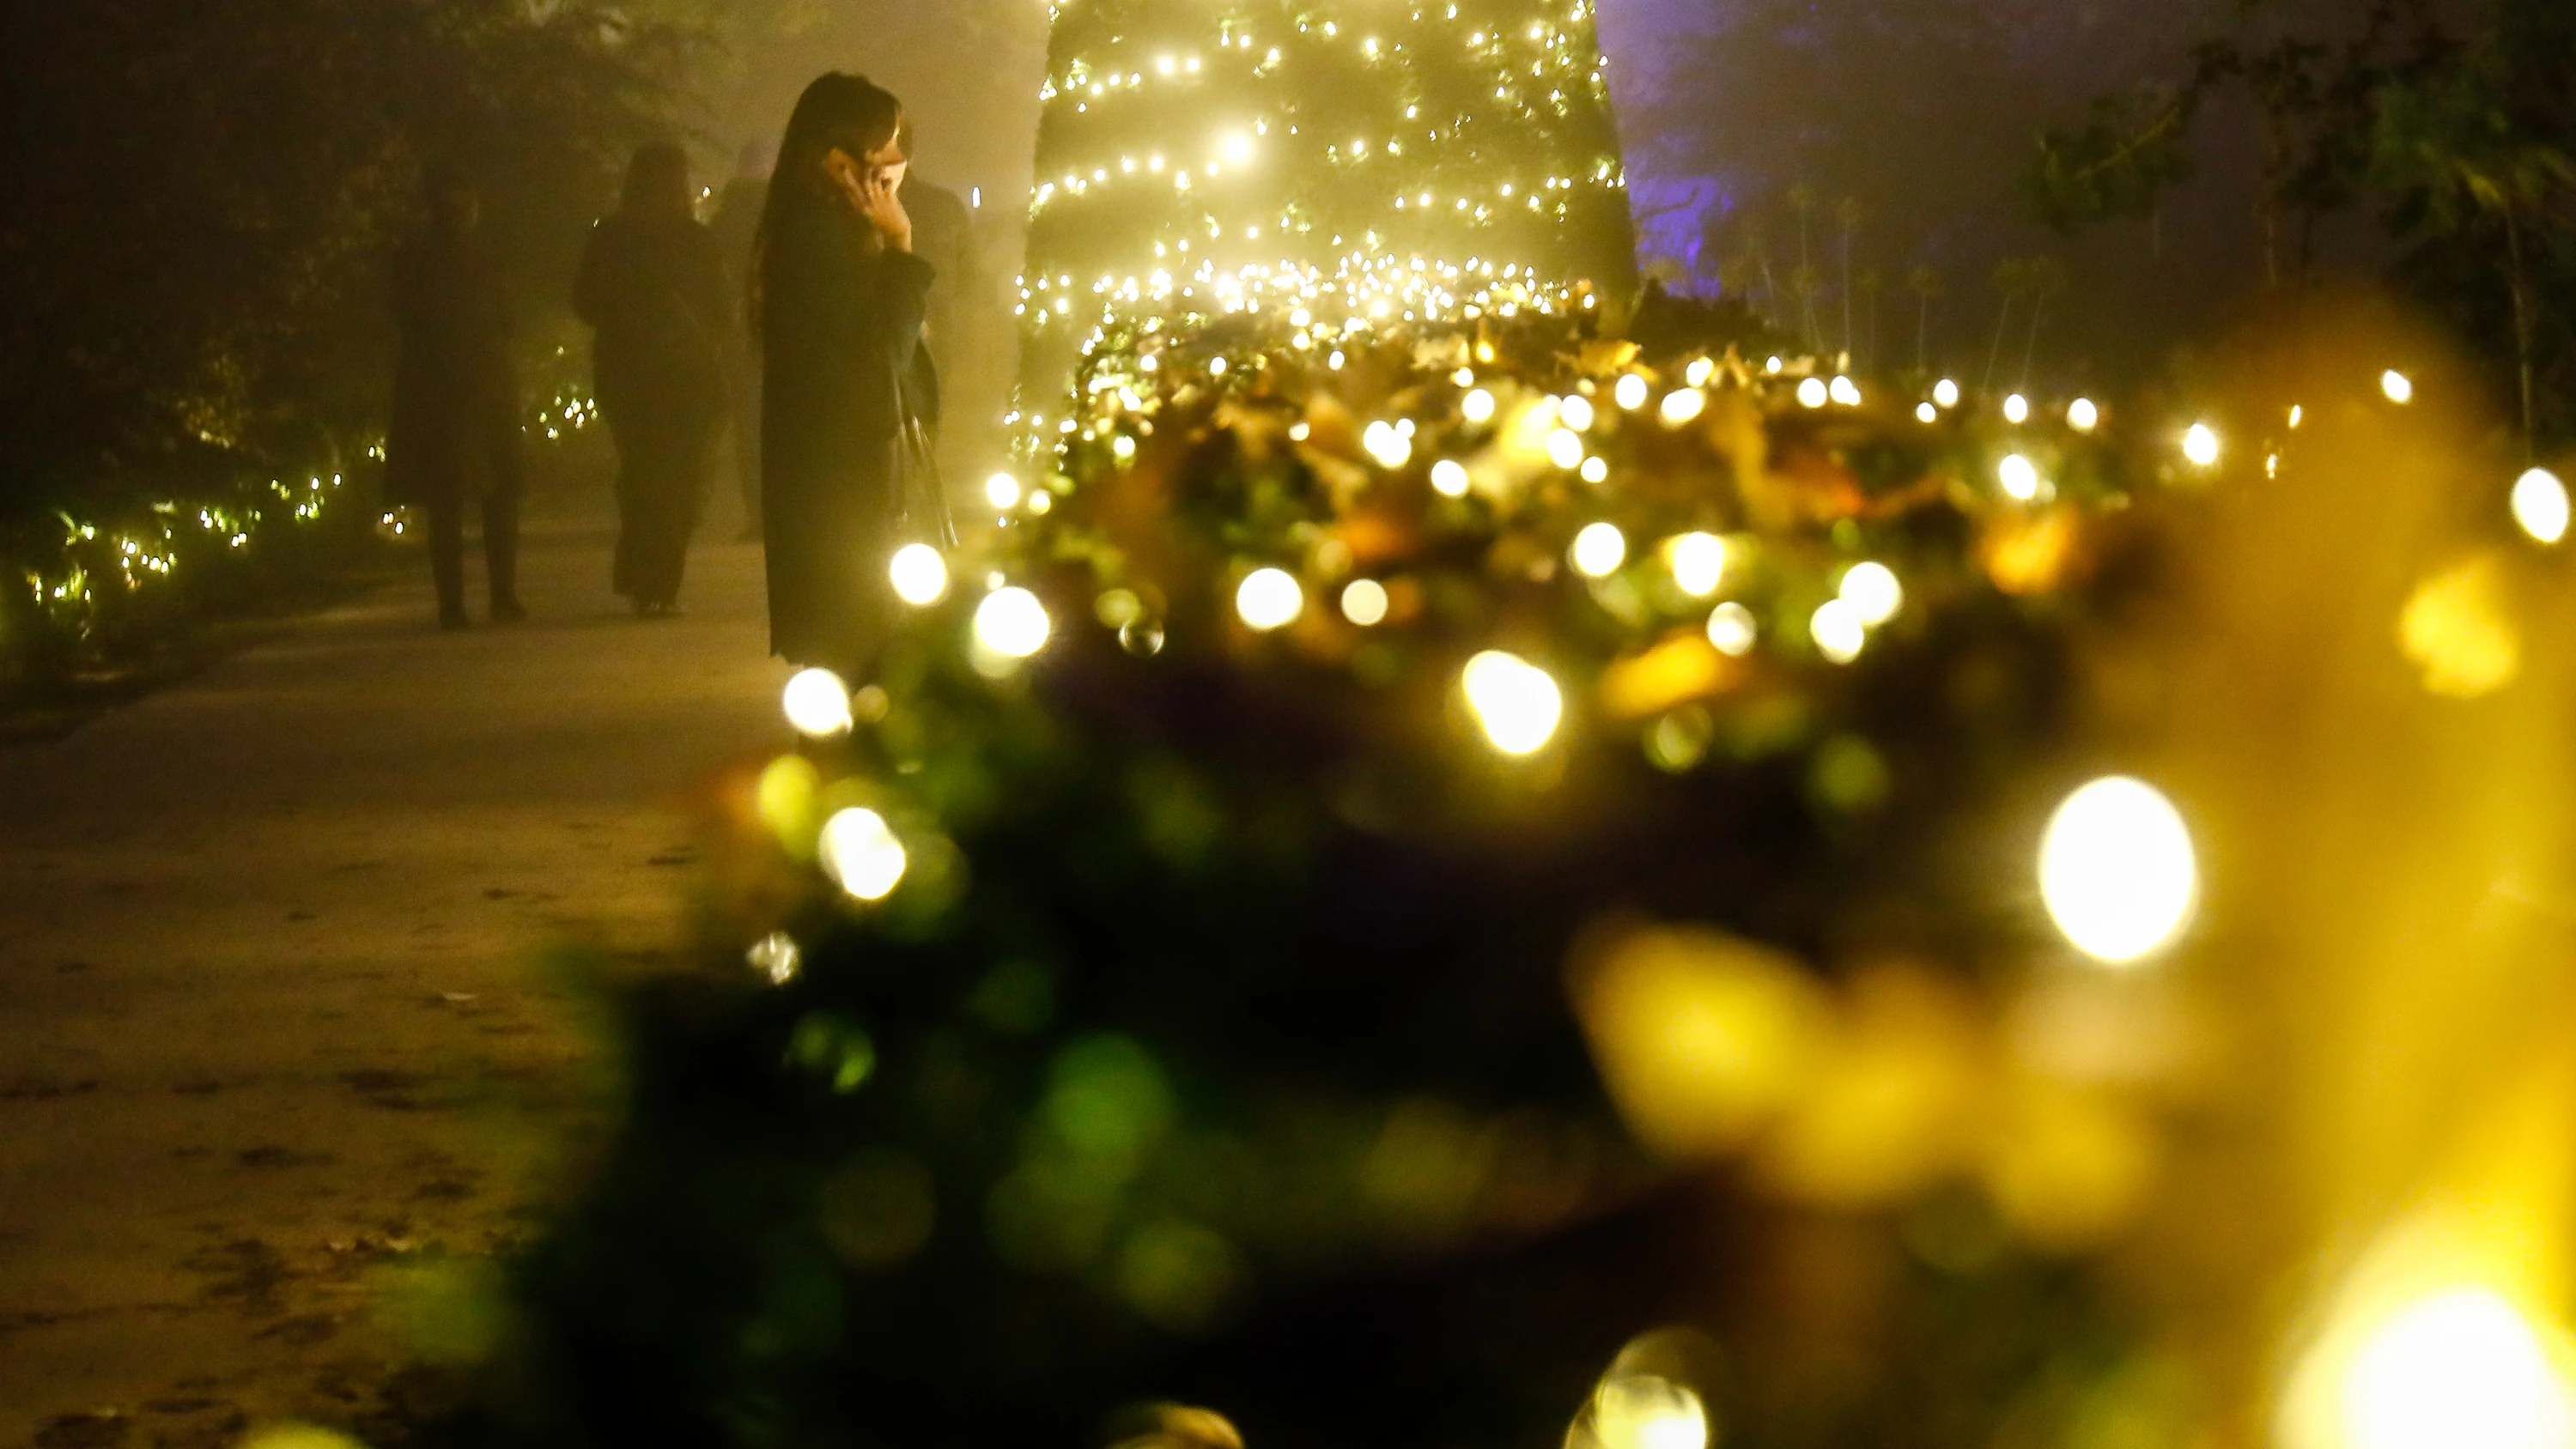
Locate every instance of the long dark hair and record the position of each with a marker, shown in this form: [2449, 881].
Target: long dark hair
[837, 112]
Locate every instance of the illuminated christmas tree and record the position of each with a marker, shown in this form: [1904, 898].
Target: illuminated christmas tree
[1359, 163]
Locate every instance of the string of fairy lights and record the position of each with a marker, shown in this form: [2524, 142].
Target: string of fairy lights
[1340, 169]
[75, 576]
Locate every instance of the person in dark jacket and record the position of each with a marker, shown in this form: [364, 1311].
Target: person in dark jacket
[453, 439]
[737, 229]
[840, 300]
[653, 284]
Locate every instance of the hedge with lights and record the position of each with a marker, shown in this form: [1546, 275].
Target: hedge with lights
[1189, 971]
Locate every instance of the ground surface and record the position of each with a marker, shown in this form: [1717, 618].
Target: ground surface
[278, 1033]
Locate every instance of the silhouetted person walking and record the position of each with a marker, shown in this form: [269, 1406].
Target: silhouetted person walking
[737, 229]
[453, 441]
[653, 284]
[841, 299]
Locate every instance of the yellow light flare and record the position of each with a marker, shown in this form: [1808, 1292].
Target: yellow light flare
[1645, 1411]
[2397, 387]
[1682, 406]
[2117, 870]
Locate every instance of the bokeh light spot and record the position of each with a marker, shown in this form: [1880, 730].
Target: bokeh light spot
[2117, 870]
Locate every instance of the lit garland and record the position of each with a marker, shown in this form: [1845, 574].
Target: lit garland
[89, 579]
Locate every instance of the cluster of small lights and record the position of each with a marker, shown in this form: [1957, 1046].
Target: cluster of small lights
[564, 415]
[91, 566]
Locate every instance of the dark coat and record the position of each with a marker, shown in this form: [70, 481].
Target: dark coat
[655, 288]
[454, 429]
[841, 334]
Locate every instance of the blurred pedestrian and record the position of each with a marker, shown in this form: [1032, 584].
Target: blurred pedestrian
[848, 386]
[737, 229]
[653, 285]
[453, 439]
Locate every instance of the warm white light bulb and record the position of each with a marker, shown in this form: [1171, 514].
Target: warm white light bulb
[2117, 870]
[1565, 448]
[2397, 386]
[2083, 415]
[2540, 505]
[1576, 412]
[919, 574]
[817, 704]
[1925, 412]
[2200, 445]
[1269, 599]
[2020, 477]
[1872, 590]
[1839, 633]
[1945, 393]
[1012, 623]
[1390, 445]
[1477, 406]
[1731, 629]
[1698, 562]
[1449, 478]
[1815, 392]
[2016, 409]
[859, 851]
[1701, 369]
[1599, 550]
[1682, 406]
[1515, 701]
[1631, 392]
[1364, 602]
[1845, 391]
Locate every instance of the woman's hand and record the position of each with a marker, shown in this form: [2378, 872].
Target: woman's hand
[872, 194]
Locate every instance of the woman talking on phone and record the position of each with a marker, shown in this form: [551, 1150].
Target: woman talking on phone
[839, 299]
